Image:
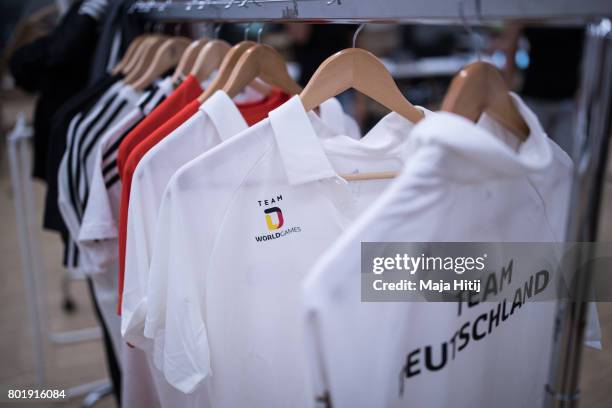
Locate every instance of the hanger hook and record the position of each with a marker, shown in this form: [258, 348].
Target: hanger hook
[468, 28]
[230, 4]
[217, 29]
[259, 33]
[246, 31]
[480, 39]
[357, 33]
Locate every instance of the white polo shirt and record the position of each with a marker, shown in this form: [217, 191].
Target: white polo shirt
[462, 182]
[238, 229]
[217, 120]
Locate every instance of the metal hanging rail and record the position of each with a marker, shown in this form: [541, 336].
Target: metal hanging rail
[590, 156]
[389, 11]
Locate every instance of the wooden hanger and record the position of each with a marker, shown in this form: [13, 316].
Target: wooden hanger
[167, 56]
[225, 70]
[138, 53]
[359, 69]
[129, 53]
[209, 59]
[148, 49]
[478, 88]
[187, 60]
[261, 61]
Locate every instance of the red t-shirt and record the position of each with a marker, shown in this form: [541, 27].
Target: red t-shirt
[252, 113]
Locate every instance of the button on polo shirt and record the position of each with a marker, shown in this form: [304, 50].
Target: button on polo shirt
[461, 182]
[150, 180]
[251, 112]
[238, 229]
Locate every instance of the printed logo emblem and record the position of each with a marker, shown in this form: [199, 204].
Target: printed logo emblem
[274, 220]
[270, 218]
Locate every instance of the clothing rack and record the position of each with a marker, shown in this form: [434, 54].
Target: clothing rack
[592, 131]
[388, 11]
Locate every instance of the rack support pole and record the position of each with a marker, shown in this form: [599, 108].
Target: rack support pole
[590, 155]
[19, 169]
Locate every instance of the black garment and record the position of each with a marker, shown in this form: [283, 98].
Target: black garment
[554, 62]
[56, 66]
[81, 102]
[112, 364]
[116, 20]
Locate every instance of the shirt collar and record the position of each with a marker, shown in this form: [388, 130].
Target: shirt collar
[470, 148]
[152, 97]
[224, 114]
[304, 139]
[129, 94]
[332, 114]
[301, 152]
[166, 86]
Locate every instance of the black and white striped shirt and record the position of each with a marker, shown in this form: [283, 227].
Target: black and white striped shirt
[76, 169]
[98, 231]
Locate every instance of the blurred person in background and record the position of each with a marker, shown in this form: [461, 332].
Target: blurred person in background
[551, 79]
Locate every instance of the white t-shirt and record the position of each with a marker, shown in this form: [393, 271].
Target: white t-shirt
[217, 120]
[462, 182]
[98, 230]
[238, 229]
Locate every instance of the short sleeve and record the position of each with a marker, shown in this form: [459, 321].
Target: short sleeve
[98, 233]
[138, 254]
